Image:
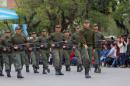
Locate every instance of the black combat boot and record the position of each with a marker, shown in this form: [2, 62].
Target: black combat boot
[1, 73]
[44, 71]
[19, 75]
[68, 68]
[97, 69]
[87, 73]
[35, 70]
[27, 68]
[79, 68]
[48, 70]
[58, 72]
[8, 73]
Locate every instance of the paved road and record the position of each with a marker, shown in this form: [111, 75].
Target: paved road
[108, 77]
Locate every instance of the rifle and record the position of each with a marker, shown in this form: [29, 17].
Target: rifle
[7, 49]
[58, 44]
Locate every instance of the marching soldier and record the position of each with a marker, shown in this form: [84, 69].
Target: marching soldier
[76, 39]
[19, 53]
[67, 49]
[34, 52]
[1, 58]
[44, 50]
[57, 52]
[87, 46]
[7, 52]
[98, 39]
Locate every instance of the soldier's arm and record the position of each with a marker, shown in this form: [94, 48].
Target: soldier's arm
[82, 38]
[73, 38]
[50, 39]
[94, 39]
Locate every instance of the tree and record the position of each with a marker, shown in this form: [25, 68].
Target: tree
[45, 14]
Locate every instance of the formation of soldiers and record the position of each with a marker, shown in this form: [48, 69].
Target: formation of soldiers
[18, 50]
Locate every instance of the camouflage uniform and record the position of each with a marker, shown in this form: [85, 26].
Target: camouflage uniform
[7, 54]
[1, 58]
[19, 52]
[67, 49]
[44, 51]
[33, 53]
[76, 39]
[57, 51]
[98, 39]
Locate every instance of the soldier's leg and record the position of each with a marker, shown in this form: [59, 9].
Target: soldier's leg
[27, 62]
[67, 59]
[34, 62]
[23, 58]
[97, 62]
[90, 51]
[79, 60]
[57, 61]
[61, 61]
[7, 62]
[37, 54]
[18, 64]
[86, 62]
[44, 54]
[1, 65]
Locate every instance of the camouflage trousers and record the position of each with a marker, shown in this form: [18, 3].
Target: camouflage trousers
[1, 62]
[19, 59]
[44, 57]
[66, 55]
[57, 55]
[85, 58]
[8, 60]
[78, 55]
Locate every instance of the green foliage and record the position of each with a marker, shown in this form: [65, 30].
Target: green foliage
[44, 14]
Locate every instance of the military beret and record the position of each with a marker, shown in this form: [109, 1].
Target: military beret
[44, 30]
[17, 28]
[95, 25]
[33, 32]
[86, 21]
[58, 26]
[65, 31]
[7, 31]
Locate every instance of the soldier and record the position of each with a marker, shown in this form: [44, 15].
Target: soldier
[56, 42]
[1, 58]
[67, 49]
[34, 52]
[87, 46]
[7, 52]
[19, 53]
[98, 39]
[44, 50]
[76, 39]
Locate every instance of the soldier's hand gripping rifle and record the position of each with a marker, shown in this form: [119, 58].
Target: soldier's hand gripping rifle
[43, 45]
[8, 48]
[32, 46]
[67, 45]
[57, 44]
[19, 47]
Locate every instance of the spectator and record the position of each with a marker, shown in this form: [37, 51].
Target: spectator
[123, 48]
[103, 54]
[112, 55]
[128, 52]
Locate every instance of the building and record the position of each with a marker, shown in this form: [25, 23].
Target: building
[7, 4]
